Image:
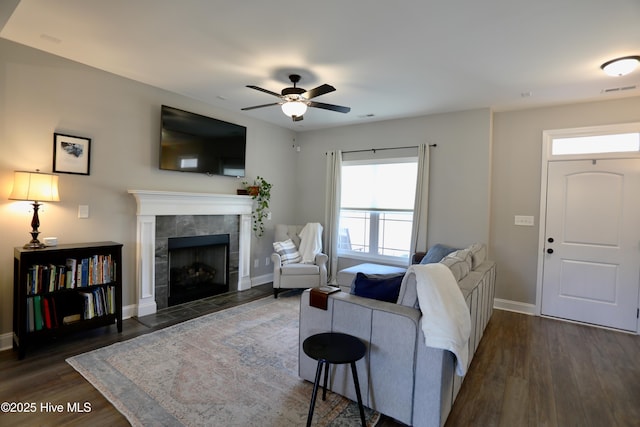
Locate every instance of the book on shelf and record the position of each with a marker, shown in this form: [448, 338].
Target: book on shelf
[71, 268]
[31, 326]
[71, 318]
[96, 302]
[41, 313]
[46, 313]
[111, 299]
[74, 273]
[37, 313]
[88, 307]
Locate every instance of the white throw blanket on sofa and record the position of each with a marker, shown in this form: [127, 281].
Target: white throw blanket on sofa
[310, 242]
[445, 316]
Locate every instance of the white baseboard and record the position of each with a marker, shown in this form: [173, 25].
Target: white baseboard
[516, 306]
[6, 341]
[261, 280]
[129, 311]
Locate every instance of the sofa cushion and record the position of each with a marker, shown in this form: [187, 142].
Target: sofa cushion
[436, 253]
[408, 295]
[478, 254]
[382, 287]
[288, 252]
[346, 276]
[299, 269]
[459, 262]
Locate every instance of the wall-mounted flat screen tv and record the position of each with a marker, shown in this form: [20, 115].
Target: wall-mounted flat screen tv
[190, 142]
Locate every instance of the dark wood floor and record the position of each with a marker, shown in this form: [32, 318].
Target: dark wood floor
[532, 371]
[528, 371]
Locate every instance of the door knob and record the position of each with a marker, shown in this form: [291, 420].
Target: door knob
[549, 251]
[550, 240]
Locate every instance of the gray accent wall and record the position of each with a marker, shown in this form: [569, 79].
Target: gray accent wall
[460, 170]
[515, 184]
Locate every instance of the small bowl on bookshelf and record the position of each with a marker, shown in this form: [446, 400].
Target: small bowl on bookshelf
[50, 241]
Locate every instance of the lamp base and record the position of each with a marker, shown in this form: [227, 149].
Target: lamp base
[35, 223]
[34, 245]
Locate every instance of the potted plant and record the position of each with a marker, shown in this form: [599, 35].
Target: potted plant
[260, 192]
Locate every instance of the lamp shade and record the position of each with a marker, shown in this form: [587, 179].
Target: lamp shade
[620, 66]
[294, 108]
[35, 186]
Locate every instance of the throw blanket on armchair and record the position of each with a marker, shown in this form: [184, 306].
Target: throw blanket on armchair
[310, 242]
[445, 316]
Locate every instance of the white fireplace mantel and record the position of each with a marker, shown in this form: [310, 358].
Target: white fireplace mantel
[155, 203]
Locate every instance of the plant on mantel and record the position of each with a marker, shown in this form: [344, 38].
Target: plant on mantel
[260, 192]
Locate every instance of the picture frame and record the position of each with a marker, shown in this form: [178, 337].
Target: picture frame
[71, 154]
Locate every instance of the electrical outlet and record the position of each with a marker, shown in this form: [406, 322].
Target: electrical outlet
[256, 263]
[267, 261]
[524, 220]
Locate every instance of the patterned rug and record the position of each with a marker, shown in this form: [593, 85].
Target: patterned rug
[237, 367]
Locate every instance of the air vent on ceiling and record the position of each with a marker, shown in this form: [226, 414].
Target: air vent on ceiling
[619, 89]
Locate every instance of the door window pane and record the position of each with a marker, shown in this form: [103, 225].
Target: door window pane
[617, 143]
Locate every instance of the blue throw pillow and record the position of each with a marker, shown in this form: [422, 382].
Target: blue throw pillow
[383, 287]
[436, 253]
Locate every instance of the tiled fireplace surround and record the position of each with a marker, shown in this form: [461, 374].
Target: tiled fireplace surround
[168, 226]
[163, 214]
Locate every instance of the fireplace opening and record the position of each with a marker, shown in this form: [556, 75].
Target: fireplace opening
[198, 267]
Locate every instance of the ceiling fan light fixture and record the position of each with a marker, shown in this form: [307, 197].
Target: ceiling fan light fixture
[620, 66]
[294, 108]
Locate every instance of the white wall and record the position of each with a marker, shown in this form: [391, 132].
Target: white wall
[41, 94]
[517, 154]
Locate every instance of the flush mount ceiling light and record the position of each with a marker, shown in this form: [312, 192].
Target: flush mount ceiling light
[620, 66]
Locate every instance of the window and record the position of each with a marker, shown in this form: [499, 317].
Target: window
[376, 208]
[614, 143]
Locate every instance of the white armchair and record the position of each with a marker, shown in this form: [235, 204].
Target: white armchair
[297, 274]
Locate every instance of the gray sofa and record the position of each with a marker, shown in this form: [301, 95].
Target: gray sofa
[400, 376]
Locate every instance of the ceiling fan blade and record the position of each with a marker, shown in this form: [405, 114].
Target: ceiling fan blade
[265, 91]
[338, 108]
[297, 118]
[320, 90]
[260, 106]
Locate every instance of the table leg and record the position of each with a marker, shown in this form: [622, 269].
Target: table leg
[357, 384]
[326, 375]
[315, 392]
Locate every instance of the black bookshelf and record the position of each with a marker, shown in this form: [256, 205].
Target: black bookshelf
[65, 289]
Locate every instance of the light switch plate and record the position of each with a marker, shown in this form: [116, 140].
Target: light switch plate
[83, 211]
[526, 220]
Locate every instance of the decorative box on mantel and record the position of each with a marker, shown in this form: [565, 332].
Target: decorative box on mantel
[158, 203]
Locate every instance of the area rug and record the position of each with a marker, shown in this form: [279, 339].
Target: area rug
[236, 367]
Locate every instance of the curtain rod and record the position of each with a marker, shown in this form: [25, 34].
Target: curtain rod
[383, 149]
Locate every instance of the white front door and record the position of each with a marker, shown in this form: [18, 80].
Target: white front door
[591, 269]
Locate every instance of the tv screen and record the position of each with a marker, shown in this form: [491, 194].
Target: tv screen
[190, 142]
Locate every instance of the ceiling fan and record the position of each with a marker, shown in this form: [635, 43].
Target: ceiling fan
[295, 100]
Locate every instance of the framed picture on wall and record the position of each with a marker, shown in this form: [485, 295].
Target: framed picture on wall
[71, 154]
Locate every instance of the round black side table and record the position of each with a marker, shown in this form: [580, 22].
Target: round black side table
[333, 347]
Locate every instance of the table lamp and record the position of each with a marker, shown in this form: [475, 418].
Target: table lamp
[35, 187]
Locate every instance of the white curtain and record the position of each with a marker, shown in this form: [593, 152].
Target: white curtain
[421, 206]
[332, 211]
